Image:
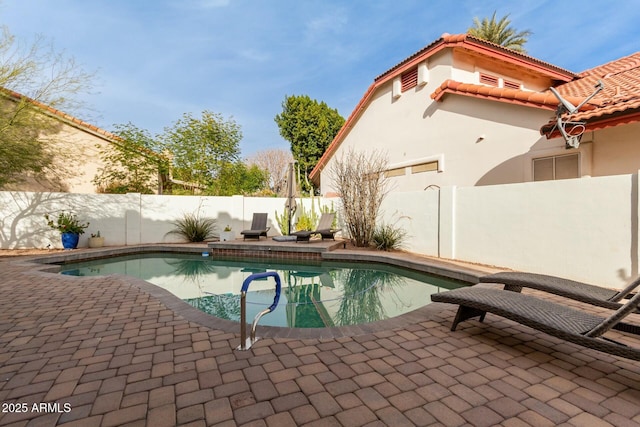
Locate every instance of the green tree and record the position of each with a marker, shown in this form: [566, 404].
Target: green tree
[309, 126]
[132, 164]
[32, 80]
[200, 147]
[237, 178]
[499, 32]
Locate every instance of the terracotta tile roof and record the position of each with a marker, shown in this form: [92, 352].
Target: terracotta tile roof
[617, 103]
[484, 46]
[544, 100]
[73, 121]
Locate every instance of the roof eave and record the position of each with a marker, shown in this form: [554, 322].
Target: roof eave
[513, 101]
[598, 123]
[485, 48]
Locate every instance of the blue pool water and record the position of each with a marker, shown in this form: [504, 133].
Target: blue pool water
[314, 294]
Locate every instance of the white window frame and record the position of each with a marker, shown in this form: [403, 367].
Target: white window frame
[554, 157]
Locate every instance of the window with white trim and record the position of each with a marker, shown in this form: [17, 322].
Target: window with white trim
[394, 172]
[565, 166]
[425, 167]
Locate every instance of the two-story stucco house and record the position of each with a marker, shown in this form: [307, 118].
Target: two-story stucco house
[464, 111]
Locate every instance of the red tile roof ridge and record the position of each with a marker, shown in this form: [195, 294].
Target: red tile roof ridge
[61, 114]
[73, 121]
[450, 40]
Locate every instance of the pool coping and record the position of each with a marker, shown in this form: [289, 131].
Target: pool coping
[443, 268]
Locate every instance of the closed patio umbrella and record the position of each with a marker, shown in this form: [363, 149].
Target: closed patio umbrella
[290, 204]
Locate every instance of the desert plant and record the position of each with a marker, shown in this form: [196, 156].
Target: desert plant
[360, 180]
[387, 237]
[307, 219]
[283, 221]
[66, 223]
[192, 228]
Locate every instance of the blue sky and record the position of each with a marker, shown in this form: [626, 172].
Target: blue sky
[157, 59]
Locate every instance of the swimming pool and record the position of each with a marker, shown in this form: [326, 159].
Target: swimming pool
[315, 294]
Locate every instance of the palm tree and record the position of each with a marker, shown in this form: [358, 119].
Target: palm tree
[499, 32]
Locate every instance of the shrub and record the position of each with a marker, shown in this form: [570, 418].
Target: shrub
[387, 237]
[66, 223]
[360, 180]
[192, 228]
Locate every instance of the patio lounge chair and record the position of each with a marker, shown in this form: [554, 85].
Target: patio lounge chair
[324, 229]
[590, 294]
[559, 320]
[258, 227]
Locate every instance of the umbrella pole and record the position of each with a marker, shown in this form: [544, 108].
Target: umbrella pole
[289, 191]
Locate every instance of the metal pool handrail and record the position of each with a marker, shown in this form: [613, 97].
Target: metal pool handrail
[245, 344]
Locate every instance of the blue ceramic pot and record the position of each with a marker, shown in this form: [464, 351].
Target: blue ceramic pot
[70, 240]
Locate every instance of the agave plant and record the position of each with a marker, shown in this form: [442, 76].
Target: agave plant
[192, 228]
[388, 237]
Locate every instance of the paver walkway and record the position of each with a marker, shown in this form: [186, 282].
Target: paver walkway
[104, 352]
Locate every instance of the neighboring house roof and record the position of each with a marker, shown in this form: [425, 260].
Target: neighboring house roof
[470, 44]
[71, 120]
[618, 103]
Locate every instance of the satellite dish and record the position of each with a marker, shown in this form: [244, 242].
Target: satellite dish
[572, 131]
[566, 104]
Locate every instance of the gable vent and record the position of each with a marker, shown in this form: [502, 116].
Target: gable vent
[409, 79]
[488, 80]
[511, 85]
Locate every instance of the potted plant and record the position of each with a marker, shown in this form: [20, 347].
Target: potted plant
[227, 234]
[69, 226]
[96, 241]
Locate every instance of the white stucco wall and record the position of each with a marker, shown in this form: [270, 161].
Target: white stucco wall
[418, 214]
[129, 219]
[615, 150]
[583, 229]
[477, 142]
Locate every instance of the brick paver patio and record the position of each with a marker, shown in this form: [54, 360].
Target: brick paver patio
[108, 352]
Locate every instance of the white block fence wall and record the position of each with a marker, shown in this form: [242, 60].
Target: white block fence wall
[585, 229]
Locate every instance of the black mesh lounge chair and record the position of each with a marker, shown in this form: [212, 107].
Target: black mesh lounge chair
[324, 229]
[590, 294]
[559, 320]
[258, 227]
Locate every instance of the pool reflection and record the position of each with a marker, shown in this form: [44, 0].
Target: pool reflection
[314, 294]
